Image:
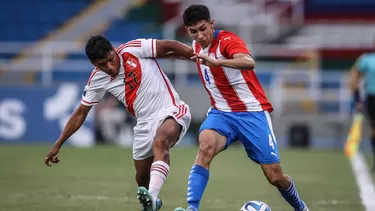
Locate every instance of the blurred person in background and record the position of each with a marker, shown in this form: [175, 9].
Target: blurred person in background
[131, 74]
[109, 119]
[240, 109]
[364, 68]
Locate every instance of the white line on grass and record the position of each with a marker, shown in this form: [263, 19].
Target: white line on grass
[364, 181]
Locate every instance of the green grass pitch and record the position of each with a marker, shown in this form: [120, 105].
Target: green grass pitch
[102, 178]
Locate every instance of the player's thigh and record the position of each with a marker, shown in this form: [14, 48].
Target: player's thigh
[216, 132]
[256, 134]
[171, 125]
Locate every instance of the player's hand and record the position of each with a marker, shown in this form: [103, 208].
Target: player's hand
[52, 156]
[206, 60]
[359, 107]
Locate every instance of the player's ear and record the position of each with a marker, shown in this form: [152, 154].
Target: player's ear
[212, 23]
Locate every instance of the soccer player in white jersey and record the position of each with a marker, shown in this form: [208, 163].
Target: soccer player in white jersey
[240, 109]
[131, 73]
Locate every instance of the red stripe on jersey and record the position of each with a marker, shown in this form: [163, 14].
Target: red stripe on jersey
[119, 49]
[197, 50]
[88, 102]
[122, 47]
[92, 75]
[256, 89]
[134, 42]
[226, 90]
[166, 83]
[132, 81]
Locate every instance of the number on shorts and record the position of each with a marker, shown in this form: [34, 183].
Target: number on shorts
[206, 77]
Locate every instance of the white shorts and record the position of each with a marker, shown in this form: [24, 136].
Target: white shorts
[145, 131]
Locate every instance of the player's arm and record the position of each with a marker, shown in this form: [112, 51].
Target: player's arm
[355, 79]
[356, 74]
[173, 49]
[234, 49]
[74, 123]
[239, 61]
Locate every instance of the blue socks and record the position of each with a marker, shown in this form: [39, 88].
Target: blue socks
[198, 180]
[292, 197]
[197, 184]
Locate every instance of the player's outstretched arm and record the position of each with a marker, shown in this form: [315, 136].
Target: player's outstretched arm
[173, 49]
[74, 123]
[239, 61]
[355, 79]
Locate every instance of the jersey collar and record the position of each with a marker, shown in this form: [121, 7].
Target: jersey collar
[216, 34]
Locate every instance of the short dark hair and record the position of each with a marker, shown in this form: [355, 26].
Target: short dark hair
[98, 47]
[196, 13]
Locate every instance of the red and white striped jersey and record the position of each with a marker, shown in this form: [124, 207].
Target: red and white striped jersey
[141, 84]
[230, 90]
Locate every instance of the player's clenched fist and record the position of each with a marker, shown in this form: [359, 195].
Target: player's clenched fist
[52, 156]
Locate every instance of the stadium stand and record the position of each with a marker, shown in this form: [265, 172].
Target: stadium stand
[137, 22]
[37, 19]
[28, 23]
[90, 19]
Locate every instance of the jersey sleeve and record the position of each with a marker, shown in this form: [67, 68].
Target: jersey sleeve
[142, 48]
[361, 64]
[233, 44]
[94, 90]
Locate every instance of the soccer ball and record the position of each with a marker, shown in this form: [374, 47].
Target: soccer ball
[255, 206]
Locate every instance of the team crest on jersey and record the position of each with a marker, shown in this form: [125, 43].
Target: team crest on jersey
[131, 63]
[212, 55]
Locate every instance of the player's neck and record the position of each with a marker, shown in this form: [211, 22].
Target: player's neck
[212, 39]
[205, 46]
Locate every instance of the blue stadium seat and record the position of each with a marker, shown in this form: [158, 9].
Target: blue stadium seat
[28, 20]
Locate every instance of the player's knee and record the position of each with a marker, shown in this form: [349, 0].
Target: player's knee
[206, 149]
[161, 143]
[161, 146]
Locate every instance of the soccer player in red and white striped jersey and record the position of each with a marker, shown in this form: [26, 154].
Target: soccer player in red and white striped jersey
[131, 73]
[239, 108]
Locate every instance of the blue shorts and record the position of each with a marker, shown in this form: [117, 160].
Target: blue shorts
[252, 129]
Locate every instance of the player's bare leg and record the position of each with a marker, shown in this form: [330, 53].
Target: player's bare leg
[284, 184]
[210, 144]
[166, 137]
[142, 171]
